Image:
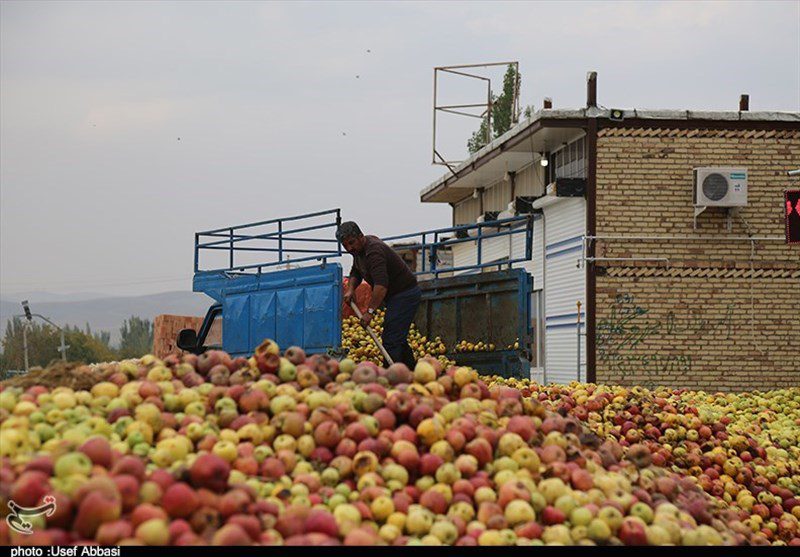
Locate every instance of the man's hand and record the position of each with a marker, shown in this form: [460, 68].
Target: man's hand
[348, 298]
[366, 319]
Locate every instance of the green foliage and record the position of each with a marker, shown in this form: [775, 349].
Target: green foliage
[87, 348]
[503, 106]
[478, 138]
[136, 336]
[502, 112]
[85, 345]
[44, 342]
[104, 337]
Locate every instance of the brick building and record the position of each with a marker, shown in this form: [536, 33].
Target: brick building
[636, 279]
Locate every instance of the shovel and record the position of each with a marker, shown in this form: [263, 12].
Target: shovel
[373, 335]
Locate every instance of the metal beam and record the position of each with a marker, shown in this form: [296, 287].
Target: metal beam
[591, 270]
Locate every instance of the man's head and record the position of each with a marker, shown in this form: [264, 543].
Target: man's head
[351, 237]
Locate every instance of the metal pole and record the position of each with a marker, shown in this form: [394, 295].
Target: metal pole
[25, 345]
[63, 348]
[280, 240]
[544, 340]
[579, 340]
[375, 338]
[196, 252]
[479, 241]
[489, 113]
[424, 251]
[338, 224]
[683, 237]
[230, 264]
[433, 156]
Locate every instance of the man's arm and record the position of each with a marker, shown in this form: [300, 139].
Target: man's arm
[352, 283]
[378, 294]
[380, 278]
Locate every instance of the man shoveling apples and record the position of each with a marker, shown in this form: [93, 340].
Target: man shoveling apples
[393, 284]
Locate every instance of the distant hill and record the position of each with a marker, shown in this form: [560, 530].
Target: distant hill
[106, 313]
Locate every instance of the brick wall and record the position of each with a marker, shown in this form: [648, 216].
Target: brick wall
[167, 327]
[722, 313]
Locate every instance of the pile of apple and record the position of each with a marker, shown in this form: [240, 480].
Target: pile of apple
[308, 450]
[361, 348]
[743, 448]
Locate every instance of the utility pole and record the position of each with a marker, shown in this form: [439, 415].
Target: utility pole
[25, 345]
[25, 341]
[29, 316]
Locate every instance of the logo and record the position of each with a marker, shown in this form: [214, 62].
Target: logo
[16, 520]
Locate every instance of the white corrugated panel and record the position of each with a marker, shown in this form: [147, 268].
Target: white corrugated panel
[494, 249]
[565, 285]
[465, 212]
[464, 253]
[497, 196]
[530, 181]
[534, 266]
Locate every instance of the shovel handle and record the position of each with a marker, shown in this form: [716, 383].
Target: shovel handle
[372, 334]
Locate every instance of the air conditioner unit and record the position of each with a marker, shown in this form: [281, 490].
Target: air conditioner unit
[523, 205]
[567, 187]
[488, 216]
[720, 186]
[508, 213]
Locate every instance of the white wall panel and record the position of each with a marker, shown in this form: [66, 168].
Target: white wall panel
[464, 253]
[565, 286]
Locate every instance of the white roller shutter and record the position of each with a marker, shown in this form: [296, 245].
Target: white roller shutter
[495, 249]
[565, 225]
[464, 253]
[534, 264]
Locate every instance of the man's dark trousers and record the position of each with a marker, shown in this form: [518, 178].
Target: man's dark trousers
[400, 311]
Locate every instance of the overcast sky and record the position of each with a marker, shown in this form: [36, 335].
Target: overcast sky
[98, 194]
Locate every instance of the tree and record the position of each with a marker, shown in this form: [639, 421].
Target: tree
[104, 337]
[502, 111]
[529, 111]
[44, 342]
[136, 336]
[87, 348]
[478, 139]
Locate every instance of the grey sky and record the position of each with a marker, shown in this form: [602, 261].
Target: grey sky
[97, 194]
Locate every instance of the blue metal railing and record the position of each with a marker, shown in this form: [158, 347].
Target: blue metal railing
[234, 236]
[520, 225]
[232, 239]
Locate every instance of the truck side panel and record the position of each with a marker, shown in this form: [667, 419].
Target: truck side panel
[294, 307]
[492, 306]
[235, 311]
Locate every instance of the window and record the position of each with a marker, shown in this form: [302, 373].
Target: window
[570, 160]
[214, 338]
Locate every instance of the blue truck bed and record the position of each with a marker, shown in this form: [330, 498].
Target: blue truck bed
[302, 306]
[295, 307]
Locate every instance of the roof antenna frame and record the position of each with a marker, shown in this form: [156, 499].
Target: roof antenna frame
[486, 112]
